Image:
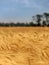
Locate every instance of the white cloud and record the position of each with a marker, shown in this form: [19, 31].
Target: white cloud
[24, 2]
[29, 3]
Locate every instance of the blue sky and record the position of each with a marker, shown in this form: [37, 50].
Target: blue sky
[18, 10]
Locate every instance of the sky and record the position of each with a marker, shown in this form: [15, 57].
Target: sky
[22, 10]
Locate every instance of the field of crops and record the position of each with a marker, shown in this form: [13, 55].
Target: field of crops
[24, 46]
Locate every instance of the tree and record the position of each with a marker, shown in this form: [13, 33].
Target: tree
[38, 19]
[44, 23]
[47, 17]
[31, 24]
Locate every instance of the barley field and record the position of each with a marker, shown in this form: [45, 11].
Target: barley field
[24, 46]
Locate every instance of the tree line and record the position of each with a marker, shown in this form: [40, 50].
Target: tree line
[41, 20]
[16, 24]
[37, 20]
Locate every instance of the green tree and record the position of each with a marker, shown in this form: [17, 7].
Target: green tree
[38, 19]
[47, 17]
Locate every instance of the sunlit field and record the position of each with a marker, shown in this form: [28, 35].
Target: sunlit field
[24, 46]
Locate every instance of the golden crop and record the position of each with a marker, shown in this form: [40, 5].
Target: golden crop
[24, 46]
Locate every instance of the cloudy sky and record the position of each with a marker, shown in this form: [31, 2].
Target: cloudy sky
[22, 9]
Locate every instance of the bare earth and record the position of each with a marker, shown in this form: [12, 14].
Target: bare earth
[24, 46]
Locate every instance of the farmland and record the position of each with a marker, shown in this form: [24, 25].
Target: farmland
[24, 46]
